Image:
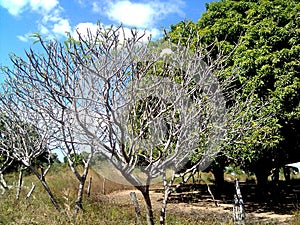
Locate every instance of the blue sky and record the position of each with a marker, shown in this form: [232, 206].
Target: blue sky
[53, 18]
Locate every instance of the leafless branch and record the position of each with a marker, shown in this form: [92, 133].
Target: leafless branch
[145, 106]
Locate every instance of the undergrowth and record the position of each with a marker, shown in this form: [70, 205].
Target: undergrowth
[97, 208]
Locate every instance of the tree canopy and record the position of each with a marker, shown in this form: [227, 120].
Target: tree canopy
[132, 101]
[267, 57]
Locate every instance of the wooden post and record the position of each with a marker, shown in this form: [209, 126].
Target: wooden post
[238, 207]
[3, 183]
[88, 191]
[103, 185]
[136, 207]
[20, 181]
[30, 192]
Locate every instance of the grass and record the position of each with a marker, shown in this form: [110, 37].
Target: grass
[296, 219]
[38, 211]
[98, 209]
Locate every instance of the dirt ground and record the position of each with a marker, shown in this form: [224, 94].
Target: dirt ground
[278, 207]
[199, 203]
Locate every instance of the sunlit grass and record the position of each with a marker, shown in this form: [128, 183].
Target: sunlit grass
[38, 209]
[98, 208]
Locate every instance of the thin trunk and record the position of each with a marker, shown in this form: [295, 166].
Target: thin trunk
[136, 207]
[20, 181]
[88, 191]
[162, 219]
[149, 210]
[3, 182]
[52, 198]
[168, 189]
[78, 202]
[208, 189]
[262, 181]
[30, 192]
[238, 209]
[218, 172]
[211, 194]
[46, 187]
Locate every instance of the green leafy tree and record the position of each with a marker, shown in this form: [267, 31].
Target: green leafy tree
[267, 34]
[76, 158]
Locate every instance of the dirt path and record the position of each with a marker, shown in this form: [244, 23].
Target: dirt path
[201, 209]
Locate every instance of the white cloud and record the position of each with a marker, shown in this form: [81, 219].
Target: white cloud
[132, 14]
[23, 38]
[43, 30]
[52, 24]
[84, 28]
[47, 5]
[155, 33]
[16, 7]
[141, 15]
[61, 27]
[96, 7]
[81, 2]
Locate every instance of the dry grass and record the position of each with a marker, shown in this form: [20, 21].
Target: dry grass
[296, 219]
[39, 210]
[98, 208]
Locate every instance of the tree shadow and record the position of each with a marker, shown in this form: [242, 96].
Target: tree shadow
[280, 198]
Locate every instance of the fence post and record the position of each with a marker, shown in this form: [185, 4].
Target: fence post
[238, 207]
[30, 192]
[88, 191]
[136, 207]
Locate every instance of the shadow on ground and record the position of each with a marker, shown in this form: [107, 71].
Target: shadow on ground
[280, 198]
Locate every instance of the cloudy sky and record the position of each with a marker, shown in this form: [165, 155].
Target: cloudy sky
[53, 18]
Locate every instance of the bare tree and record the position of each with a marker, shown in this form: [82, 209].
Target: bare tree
[71, 148]
[26, 139]
[5, 158]
[240, 119]
[47, 86]
[5, 161]
[148, 107]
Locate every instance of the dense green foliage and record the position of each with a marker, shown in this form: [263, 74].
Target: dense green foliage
[263, 39]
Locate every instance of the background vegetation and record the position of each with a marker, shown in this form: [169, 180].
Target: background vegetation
[261, 40]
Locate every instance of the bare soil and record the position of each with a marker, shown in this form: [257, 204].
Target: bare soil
[198, 203]
[277, 207]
